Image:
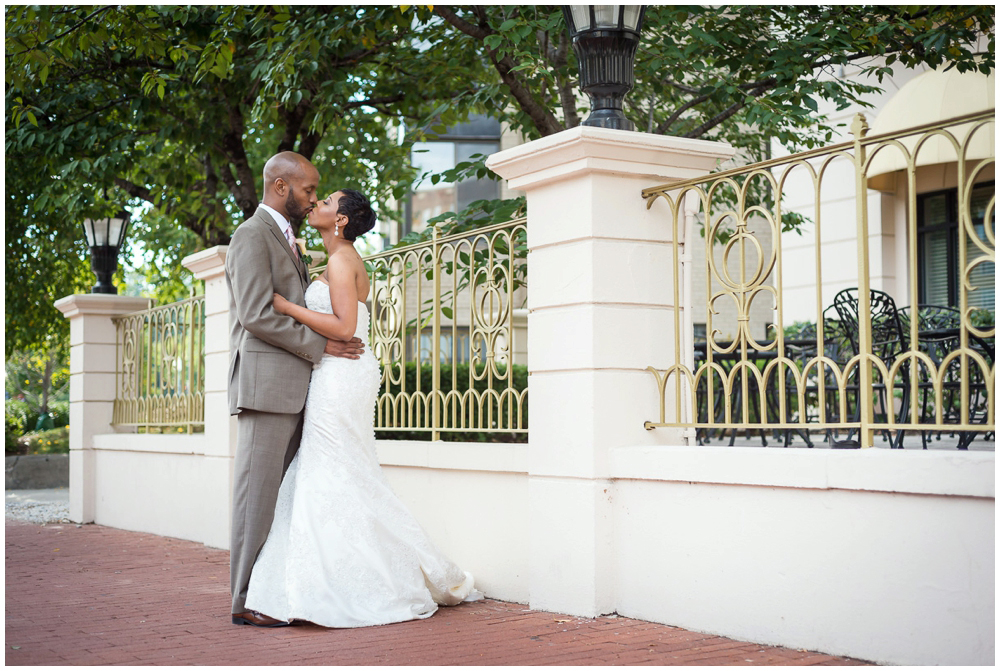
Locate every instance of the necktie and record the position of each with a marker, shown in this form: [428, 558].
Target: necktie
[290, 238]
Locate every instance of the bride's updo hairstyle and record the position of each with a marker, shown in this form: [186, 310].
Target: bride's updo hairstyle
[357, 209]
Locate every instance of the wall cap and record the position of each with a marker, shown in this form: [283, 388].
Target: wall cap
[495, 457]
[108, 305]
[585, 149]
[939, 472]
[208, 263]
[193, 444]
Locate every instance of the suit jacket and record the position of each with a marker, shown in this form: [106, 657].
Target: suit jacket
[272, 355]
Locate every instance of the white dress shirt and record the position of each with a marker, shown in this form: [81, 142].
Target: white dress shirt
[283, 224]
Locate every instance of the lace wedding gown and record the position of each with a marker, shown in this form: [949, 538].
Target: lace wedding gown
[343, 551]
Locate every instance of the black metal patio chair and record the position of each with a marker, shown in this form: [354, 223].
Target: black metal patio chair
[939, 334]
[887, 343]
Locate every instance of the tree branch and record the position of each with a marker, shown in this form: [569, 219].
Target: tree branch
[309, 142]
[729, 111]
[567, 97]
[226, 175]
[680, 87]
[757, 88]
[232, 147]
[373, 102]
[134, 190]
[113, 103]
[67, 31]
[544, 120]
[293, 119]
[668, 122]
[463, 25]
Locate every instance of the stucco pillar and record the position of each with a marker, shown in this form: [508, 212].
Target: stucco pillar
[220, 427]
[600, 301]
[91, 386]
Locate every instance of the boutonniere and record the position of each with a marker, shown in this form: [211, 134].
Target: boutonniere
[301, 244]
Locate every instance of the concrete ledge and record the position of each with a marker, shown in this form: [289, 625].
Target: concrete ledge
[878, 470]
[587, 149]
[36, 471]
[495, 457]
[152, 442]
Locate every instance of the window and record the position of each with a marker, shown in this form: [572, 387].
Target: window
[481, 135]
[937, 239]
[461, 340]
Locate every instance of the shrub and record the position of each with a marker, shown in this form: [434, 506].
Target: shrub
[53, 441]
[11, 432]
[462, 373]
[23, 413]
[59, 411]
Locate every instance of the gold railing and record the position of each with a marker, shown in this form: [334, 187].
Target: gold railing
[160, 371]
[843, 375]
[449, 330]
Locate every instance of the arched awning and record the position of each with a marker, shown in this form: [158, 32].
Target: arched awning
[929, 97]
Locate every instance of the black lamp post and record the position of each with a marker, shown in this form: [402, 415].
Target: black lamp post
[105, 237]
[605, 38]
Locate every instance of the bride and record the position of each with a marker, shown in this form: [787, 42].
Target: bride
[343, 550]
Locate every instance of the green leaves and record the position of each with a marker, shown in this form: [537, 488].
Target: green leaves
[173, 109]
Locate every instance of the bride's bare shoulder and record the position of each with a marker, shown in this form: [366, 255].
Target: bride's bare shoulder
[344, 264]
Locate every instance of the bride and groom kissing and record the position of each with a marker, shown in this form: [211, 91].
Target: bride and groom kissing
[317, 533]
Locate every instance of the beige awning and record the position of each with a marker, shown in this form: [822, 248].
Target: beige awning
[929, 97]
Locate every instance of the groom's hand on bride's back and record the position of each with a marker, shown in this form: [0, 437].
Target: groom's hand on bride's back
[351, 349]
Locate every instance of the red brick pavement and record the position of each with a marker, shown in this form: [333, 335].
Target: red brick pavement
[94, 595]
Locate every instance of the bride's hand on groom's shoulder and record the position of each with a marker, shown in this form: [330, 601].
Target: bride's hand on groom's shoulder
[281, 304]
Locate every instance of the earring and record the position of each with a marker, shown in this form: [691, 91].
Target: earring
[336, 230]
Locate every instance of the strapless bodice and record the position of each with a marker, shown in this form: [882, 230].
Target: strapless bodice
[318, 299]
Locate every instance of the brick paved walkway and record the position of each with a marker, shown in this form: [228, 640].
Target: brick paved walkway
[94, 595]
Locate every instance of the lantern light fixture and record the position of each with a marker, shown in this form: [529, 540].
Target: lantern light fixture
[105, 237]
[605, 39]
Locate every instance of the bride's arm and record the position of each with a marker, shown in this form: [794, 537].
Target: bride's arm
[344, 298]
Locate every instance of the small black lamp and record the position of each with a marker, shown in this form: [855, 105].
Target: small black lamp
[605, 38]
[105, 237]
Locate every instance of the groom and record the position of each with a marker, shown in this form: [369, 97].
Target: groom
[271, 361]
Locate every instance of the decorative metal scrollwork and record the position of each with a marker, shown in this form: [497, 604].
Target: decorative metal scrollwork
[863, 369]
[160, 371]
[444, 330]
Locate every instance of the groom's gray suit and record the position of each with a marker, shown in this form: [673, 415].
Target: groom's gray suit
[269, 368]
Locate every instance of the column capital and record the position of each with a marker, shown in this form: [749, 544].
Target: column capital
[208, 263]
[107, 305]
[587, 150]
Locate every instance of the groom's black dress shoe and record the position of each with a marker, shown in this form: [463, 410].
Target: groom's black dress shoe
[256, 619]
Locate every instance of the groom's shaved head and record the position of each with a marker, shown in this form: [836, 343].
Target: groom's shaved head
[287, 165]
[290, 183]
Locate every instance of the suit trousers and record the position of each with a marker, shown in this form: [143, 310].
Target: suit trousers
[265, 445]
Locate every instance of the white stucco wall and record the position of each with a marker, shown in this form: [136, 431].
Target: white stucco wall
[162, 484]
[887, 556]
[472, 500]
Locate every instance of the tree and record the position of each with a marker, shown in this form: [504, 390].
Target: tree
[739, 73]
[176, 108]
[35, 381]
[743, 74]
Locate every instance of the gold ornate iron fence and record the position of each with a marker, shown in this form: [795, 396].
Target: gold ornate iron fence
[160, 371]
[450, 331]
[865, 364]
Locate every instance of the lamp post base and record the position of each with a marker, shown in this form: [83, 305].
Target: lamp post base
[608, 118]
[607, 74]
[104, 262]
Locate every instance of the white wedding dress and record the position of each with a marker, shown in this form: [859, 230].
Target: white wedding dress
[343, 550]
